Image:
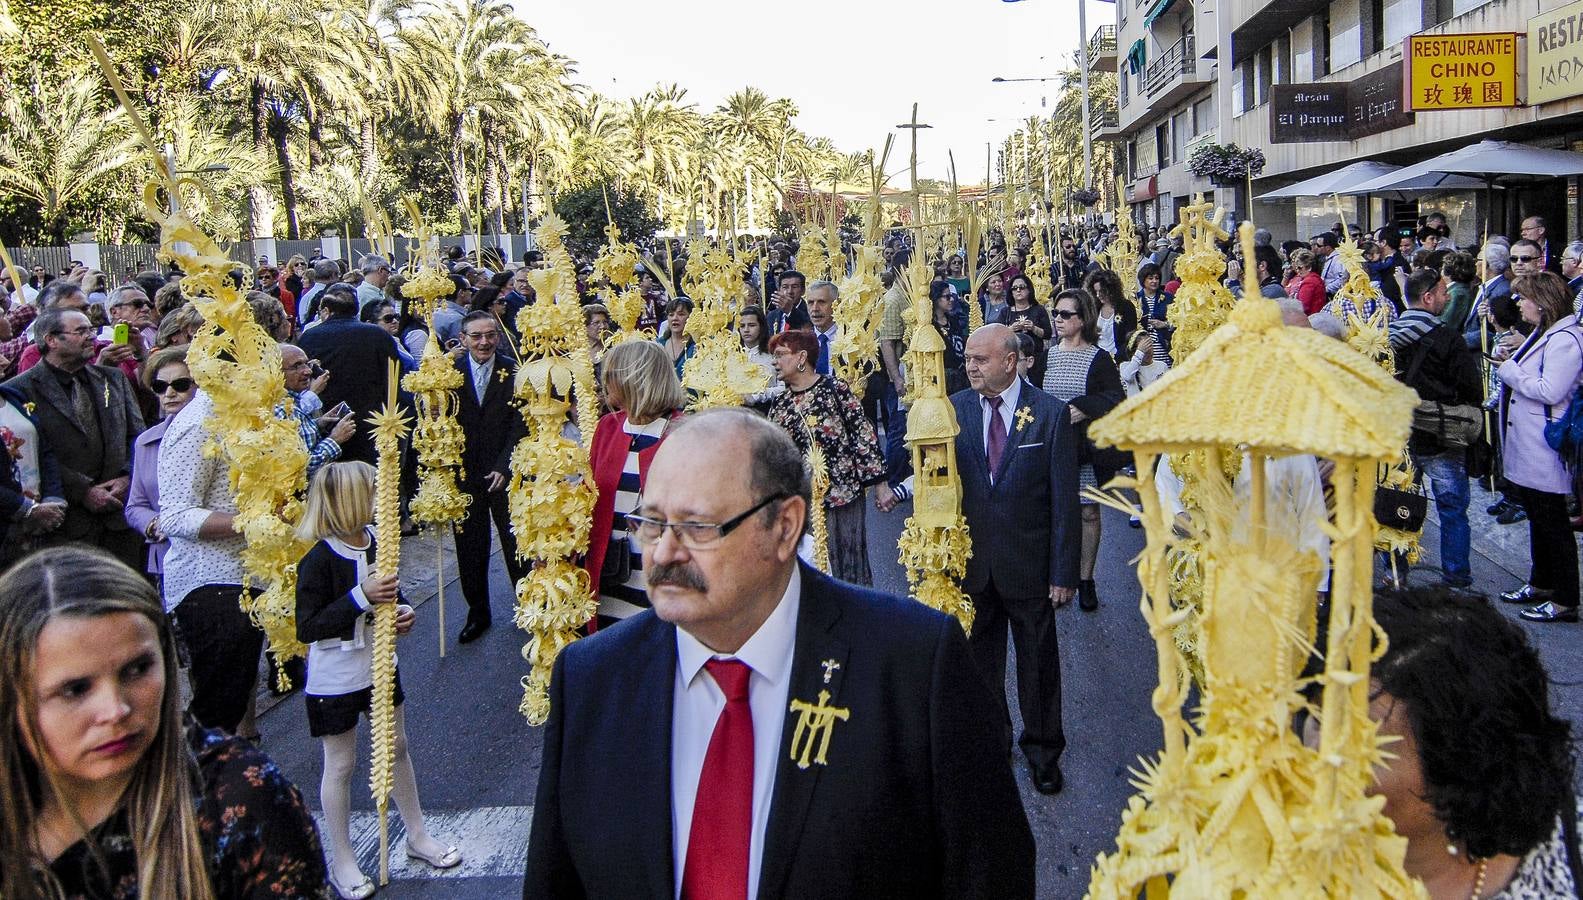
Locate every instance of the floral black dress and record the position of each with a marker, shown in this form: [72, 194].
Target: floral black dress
[260, 839]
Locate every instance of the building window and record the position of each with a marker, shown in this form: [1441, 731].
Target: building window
[1162, 144]
[1264, 74]
[1401, 18]
[1374, 26]
[1204, 115]
[1322, 43]
[1179, 135]
[1283, 60]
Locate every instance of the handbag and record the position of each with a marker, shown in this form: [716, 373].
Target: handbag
[1399, 509]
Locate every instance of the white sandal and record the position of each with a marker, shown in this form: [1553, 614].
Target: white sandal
[449, 859]
[360, 891]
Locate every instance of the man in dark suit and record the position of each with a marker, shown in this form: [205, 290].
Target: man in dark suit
[493, 427]
[788, 311]
[764, 730]
[1018, 456]
[358, 356]
[89, 416]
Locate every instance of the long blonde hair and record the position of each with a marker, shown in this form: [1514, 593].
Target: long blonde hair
[161, 815]
[340, 501]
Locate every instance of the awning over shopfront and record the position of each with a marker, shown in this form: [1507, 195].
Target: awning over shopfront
[1483, 163]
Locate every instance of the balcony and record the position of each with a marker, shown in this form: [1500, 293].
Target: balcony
[1258, 22]
[1175, 73]
[1102, 49]
[1104, 123]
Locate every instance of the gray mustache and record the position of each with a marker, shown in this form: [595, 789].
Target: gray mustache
[676, 575]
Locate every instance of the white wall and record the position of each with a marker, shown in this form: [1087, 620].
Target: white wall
[1402, 17]
[1303, 52]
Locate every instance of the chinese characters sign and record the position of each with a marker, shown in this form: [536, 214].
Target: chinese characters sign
[1461, 71]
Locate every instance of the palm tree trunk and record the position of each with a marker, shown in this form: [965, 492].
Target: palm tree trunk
[459, 175]
[530, 190]
[491, 190]
[259, 205]
[288, 181]
[752, 225]
[367, 151]
[315, 142]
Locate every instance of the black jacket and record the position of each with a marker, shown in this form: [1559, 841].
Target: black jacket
[1441, 368]
[916, 798]
[493, 428]
[358, 357]
[325, 608]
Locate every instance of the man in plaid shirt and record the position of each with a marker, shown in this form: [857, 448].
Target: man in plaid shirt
[321, 448]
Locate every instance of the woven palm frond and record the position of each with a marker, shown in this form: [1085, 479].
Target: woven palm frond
[1257, 383]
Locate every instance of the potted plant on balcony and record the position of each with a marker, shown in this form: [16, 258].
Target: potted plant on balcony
[1225, 164]
[1084, 196]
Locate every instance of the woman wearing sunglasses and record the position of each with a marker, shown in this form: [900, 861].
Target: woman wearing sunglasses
[166, 375]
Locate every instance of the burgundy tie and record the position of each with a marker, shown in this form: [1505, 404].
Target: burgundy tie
[716, 867]
[996, 445]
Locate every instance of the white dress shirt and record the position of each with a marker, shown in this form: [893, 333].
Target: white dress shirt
[698, 702]
[1008, 408]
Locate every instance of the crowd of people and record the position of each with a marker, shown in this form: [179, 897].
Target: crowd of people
[108, 433]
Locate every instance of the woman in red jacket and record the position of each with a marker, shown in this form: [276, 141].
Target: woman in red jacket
[641, 386]
[1305, 284]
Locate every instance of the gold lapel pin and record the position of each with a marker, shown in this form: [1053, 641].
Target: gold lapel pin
[815, 722]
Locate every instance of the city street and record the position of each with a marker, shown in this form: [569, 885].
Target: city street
[477, 759]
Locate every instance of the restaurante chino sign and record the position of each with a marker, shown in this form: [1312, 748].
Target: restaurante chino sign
[1461, 71]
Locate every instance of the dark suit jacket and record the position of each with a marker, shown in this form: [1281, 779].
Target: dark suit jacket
[1026, 527]
[917, 799]
[84, 459]
[358, 356]
[492, 429]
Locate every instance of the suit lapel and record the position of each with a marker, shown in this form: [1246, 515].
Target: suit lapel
[816, 643]
[1018, 433]
[647, 733]
[972, 426]
[50, 390]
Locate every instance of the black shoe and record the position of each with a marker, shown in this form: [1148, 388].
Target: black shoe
[1047, 780]
[1512, 516]
[473, 630]
[1498, 507]
[1087, 595]
[1550, 612]
[1526, 594]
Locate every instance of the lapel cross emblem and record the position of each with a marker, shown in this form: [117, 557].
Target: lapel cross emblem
[1024, 418]
[815, 723]
[830, 666]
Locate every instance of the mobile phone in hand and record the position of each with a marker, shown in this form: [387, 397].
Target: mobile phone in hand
[339, 410]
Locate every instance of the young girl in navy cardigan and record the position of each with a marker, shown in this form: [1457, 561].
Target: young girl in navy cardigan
[336, 591]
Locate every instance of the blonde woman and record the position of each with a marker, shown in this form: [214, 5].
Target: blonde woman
[105, 791]
[336, 592]
[641, 386]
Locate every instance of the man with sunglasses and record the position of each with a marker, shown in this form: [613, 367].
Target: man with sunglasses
[765, 730]
[129, 304]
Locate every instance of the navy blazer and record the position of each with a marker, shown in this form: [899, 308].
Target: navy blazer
[358, 356]
[492, 428]
[1026, 527]
[917, 799]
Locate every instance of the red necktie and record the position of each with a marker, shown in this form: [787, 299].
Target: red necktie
[716, 867]
[996, 445]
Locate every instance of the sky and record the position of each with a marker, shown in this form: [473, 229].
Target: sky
[853, 67]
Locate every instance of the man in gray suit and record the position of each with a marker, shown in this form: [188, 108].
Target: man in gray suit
[88, 415]
[1018, 458]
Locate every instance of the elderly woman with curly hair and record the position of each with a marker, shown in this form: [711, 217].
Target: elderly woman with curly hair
[1481, 780]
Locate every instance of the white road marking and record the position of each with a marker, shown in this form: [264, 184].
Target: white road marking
[493, 841]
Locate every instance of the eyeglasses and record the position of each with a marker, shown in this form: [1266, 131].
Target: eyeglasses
[135, 304]
[481, 335]
[84, 331]
[182, 385]
[391, 317]
[1065, 314]
[1525, 259]
[692, 535]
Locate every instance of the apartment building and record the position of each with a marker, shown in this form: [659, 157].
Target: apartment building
[1318, 84]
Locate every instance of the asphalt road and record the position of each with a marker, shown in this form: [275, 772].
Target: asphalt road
[477, 759]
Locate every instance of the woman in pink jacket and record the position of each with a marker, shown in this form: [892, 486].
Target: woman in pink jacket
[1539, 381]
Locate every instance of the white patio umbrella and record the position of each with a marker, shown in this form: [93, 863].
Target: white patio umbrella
[1338, 181]
[1490, 161]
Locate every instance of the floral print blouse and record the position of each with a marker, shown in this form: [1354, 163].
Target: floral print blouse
[830, 412]
[260, 839]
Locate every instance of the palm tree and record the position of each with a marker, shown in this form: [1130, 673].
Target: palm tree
[654, 132]
[61, 142]
[758, 126]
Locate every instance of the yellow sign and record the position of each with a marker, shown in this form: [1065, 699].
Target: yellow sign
[1461, 71]
[1555, 54]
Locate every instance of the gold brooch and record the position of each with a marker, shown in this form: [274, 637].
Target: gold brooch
[1024, 417]
[815, 722]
